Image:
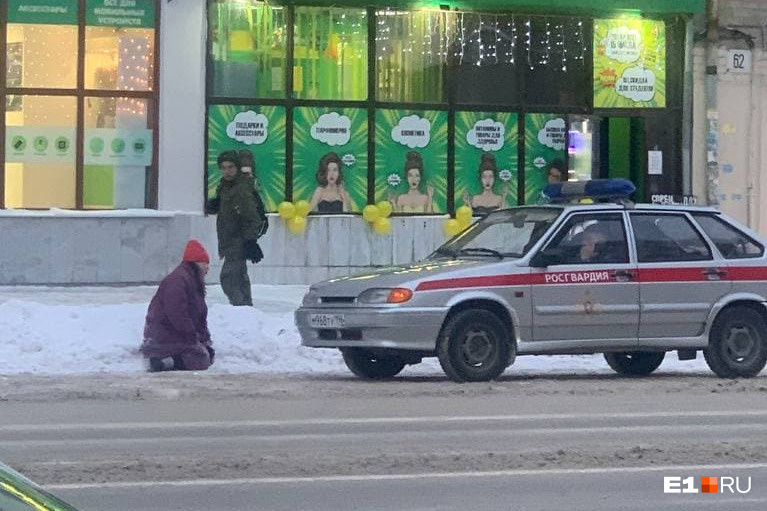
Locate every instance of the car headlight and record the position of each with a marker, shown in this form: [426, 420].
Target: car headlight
[385, 295]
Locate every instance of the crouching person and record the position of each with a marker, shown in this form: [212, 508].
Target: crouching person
[176, 332]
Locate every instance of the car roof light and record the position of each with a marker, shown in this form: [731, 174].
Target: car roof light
[615, 189]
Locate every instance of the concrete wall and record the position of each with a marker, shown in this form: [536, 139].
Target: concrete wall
[182, 105]
[742, 115]
[143, 246]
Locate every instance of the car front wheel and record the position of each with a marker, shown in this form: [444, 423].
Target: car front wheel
[737, 344]
[475, 346]
[634, 363]
[368, 365]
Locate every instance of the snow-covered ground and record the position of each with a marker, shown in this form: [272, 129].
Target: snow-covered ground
[75, 330]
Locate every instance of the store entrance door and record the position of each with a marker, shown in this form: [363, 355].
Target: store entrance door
[601, 147]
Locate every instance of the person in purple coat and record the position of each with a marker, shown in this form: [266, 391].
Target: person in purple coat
[176, 335]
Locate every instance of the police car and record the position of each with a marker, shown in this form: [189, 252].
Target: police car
[631, 281]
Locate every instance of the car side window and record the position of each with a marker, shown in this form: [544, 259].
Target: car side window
[590, 239]
[667, 237]
[731, 242]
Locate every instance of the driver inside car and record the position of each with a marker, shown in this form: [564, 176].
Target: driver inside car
[592, 244]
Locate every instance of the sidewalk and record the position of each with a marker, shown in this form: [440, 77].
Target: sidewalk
[79, 330]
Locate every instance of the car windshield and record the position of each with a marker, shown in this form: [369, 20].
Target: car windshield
[504, 233]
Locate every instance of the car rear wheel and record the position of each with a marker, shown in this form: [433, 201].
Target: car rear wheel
[475, 346]
[366, 364]
[737, 344]
[634, 363]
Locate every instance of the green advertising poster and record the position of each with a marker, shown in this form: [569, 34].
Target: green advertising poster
[259, 129]
[43, 12]
[120, 13]
[411, 160]
[330, 158]
[545, 137]
[629, 63]
[485, 160]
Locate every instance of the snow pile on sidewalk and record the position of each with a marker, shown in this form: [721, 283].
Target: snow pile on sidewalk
[74, 330]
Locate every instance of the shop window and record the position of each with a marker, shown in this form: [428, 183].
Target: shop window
[485, 61]
[119, 58]
[553, 54]
[42, 56]
[255, 132]
[412, 50]
[486, 145]
[331, 54]
[330, 163]
[118, 152]
[248, 46]
[411, 160]
[545, 156]
[40, 153]
[119, 113]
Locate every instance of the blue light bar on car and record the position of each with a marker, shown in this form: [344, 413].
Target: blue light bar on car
[611, 189]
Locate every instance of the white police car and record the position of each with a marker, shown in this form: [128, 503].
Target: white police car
[630, 281]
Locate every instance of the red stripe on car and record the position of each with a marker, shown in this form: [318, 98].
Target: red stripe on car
[681, 274]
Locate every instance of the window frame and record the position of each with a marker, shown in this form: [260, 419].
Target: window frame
[80, 93]
[721, 220]
[676, 214]
[569, 222]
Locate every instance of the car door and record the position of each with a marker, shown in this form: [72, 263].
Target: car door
[679, 277]
[588, 302]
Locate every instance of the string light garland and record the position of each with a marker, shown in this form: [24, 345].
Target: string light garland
[480, 46]
[529, 43]
[475, 39]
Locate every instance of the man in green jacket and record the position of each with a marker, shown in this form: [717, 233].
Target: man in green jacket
[238, 226]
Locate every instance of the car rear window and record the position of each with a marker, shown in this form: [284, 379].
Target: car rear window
[667, 237]
[730, 241]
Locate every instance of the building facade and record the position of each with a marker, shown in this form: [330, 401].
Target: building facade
[116, 111]
[730, 108]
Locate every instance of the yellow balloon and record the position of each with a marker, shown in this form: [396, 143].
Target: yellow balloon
[302, 207]
[384, 208]
[297, 224]
[451, 227]
[463, 214]
[463, 224]
[382, 226]
[371, 213]
[286, 210]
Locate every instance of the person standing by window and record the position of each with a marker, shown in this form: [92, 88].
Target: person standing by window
[238, 226]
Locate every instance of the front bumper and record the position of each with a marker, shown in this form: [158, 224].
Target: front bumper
[407, 328]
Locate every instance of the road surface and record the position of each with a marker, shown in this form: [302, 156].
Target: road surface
[186, 441]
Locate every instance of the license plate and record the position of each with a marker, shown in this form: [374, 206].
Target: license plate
[327, 320]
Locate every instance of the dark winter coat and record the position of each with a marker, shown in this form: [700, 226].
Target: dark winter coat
[238, 219]
[177, 320]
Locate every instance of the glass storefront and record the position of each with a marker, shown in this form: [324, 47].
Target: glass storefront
[454, 107]
[79, 98]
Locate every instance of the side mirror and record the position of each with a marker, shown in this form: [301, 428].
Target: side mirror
[545, 258]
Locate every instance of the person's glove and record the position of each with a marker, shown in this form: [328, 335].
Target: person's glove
[252, 251]
[212, 206]
[211, 352]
